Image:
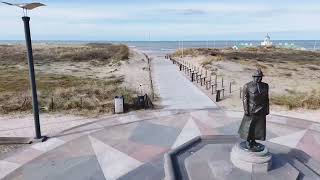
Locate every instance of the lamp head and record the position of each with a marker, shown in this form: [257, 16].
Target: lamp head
[25, 6]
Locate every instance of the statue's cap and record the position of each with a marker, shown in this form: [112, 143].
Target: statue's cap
[258, 73]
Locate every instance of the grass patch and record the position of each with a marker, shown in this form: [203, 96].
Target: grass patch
[263, 55]
[60, 93]
[210, 60]
[101, 53]
[294, 100]
[197, 52]
[313, 68]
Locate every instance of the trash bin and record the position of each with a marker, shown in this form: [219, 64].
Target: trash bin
[118, 104]
[141, 102]
[218, 96]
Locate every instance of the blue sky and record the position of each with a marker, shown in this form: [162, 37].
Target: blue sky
[165, 20]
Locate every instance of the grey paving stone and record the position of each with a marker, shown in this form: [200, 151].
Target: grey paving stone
[80, 168]
[145, 172]
[229, 129]
[154, 134]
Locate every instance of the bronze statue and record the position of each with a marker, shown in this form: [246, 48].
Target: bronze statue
[256, 108]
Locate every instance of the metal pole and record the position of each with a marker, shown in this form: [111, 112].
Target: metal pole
[35, 106]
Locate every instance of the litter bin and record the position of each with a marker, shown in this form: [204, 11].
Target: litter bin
[218, 96]
[118, 104]
[141, 102]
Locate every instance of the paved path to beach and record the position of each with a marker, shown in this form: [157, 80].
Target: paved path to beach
[176, 91]
[131, 146]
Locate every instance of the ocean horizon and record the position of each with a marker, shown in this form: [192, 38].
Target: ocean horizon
[170, 46]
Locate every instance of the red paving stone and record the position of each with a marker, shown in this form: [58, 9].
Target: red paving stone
[310, 145]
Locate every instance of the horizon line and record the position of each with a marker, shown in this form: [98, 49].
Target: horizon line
[164, 40]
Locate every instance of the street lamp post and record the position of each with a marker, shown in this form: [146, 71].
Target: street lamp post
[35, 105]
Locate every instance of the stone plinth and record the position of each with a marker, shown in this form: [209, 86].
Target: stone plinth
[209, 158]
[259, 162]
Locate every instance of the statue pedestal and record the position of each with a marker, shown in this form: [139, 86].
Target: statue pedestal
[208, 157]
[258, 162]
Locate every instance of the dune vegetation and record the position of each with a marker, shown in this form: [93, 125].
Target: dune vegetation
[59, 92]
[293, 75]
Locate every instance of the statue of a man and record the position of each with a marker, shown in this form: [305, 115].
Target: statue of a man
[256, 108]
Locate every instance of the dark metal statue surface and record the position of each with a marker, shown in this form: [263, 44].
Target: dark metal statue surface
[256, 108]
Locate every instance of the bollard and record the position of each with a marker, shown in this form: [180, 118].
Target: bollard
[216, 80]
[180, 67]
[218, 95]
[222, 82]
[192, 77]
[212, 89]
[240, 92]
[230, 88]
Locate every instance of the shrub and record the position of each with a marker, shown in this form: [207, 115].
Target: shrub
[295, 100]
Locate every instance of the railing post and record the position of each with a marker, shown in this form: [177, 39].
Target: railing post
[222, 82]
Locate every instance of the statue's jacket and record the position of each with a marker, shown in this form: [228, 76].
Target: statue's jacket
[256, 107]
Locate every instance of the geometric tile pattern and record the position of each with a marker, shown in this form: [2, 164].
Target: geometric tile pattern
[113, 163]
[135, 150]
[189, 131]
[290, 140]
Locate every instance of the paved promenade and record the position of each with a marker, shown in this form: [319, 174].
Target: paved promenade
[176, 91]
[131, 146]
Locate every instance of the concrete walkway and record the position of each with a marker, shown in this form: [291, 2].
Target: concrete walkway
[176, 91]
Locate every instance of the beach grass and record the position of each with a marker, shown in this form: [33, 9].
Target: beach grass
[295, 99]
[102, 53]
[260, 54]
[62, 92]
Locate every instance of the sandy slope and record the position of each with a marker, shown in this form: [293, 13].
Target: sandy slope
[282, 78]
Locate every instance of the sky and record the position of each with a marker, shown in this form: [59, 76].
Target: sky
[165, 20]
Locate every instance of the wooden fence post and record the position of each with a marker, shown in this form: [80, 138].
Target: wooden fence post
[222, 82]
[216, 82]
[52, 105]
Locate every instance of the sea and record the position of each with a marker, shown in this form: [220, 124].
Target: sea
[171, 46]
